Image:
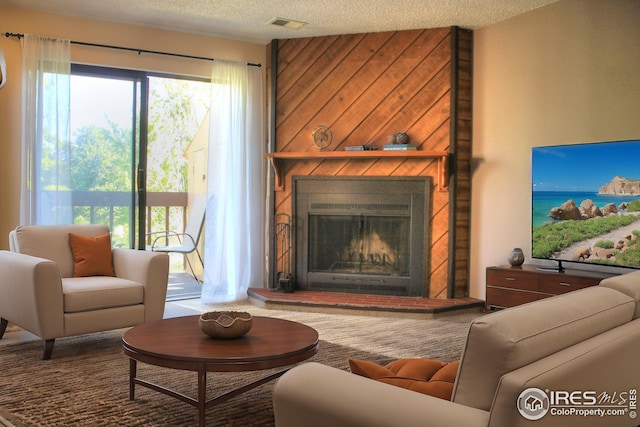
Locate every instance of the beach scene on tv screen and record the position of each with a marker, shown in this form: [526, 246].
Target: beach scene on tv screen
[586, 203]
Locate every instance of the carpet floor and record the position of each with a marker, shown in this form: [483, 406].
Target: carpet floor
[86, 381]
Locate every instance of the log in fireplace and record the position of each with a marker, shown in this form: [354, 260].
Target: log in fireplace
[362, 234]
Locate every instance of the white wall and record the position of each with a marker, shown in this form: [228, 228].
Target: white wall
[565, 73]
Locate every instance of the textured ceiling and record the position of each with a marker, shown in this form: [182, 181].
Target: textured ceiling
[247, 19]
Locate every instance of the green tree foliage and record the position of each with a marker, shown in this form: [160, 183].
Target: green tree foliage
[173, 122]
[101, 159]
[53, 158]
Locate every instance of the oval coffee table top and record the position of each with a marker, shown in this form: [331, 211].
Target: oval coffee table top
[178, 342]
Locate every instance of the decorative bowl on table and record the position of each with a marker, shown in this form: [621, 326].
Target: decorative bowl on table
[225, 324]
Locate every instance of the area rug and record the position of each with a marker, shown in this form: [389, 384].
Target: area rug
[86, 381]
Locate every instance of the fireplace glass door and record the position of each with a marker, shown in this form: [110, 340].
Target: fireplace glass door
[361, 234]
[359, 244]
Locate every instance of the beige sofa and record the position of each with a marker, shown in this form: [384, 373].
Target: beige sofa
[39, 293]
[564, 360]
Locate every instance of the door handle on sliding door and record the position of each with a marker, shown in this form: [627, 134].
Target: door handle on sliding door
[142, 183]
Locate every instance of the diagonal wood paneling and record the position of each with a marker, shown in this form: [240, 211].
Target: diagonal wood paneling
[366, 87]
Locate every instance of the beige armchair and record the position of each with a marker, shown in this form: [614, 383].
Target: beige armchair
[40, 293]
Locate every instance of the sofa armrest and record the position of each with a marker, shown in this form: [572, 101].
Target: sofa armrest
[31, 294]
[628, 284]
[150, 269]
[606, 364]
[316, 395]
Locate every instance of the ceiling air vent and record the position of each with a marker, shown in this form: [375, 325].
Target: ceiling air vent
[287, 23]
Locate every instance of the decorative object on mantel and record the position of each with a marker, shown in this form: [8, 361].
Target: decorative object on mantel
[516, 257]
[398, 141]
[398, 138]
[225, 324]
[402, 138]
[322, 137]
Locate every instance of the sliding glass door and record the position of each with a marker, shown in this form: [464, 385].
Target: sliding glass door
[138, 150]
[177, 140]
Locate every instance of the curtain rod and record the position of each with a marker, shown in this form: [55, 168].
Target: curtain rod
[139, 51]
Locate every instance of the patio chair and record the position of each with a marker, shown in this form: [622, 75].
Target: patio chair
[184, 242]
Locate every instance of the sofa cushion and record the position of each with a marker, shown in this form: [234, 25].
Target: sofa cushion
[501, 342]
[426, 376]
[91, 255]
[628, 284]
[97, 292]
[52, 242]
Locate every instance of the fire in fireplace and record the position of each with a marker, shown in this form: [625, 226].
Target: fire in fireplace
[361, 234]
[359, 244]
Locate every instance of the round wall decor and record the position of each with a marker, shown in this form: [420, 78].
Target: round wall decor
[322, 137]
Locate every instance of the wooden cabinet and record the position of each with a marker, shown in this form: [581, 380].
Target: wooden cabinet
[507, 287]
[510, 286]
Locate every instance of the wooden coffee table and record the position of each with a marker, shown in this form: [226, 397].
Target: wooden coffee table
[179, 343]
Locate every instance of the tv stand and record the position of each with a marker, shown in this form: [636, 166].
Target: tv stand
[510, 286]
[559, 268]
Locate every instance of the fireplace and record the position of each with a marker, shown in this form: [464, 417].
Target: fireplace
[361, 234]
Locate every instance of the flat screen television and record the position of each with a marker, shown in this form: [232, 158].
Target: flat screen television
[586, 203]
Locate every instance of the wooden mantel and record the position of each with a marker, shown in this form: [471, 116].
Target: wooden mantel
[277, 159]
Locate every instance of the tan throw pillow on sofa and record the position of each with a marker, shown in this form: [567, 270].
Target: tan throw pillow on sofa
[426, 376]
[91, 255]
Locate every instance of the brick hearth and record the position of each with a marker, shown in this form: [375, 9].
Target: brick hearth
[361, 302]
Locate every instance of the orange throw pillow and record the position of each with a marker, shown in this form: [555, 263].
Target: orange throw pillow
[91, 255]
[426, 376]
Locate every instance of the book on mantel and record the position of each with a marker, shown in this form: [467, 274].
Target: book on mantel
[399, 147]
[360, 148]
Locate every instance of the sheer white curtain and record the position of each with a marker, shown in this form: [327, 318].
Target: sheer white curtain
[235, 194]
[46, 69]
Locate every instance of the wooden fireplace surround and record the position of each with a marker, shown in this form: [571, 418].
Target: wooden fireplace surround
[365, 87]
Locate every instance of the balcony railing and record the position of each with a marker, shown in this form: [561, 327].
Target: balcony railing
[112, 208]
[166, 201]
